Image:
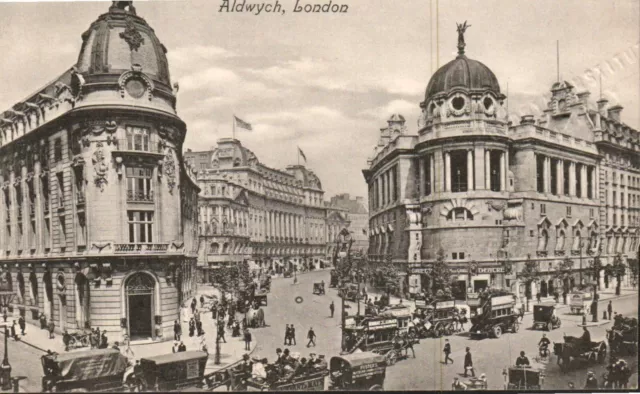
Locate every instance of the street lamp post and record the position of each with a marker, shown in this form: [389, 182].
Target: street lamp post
[5, 369]
[580, 245]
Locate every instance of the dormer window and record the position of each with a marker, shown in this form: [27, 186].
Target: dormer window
[432, 109]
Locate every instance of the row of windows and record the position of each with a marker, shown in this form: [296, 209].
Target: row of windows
[550, 170]
[385, 188]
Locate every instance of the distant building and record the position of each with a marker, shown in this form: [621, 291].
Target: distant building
[358, 216]
[274, 219]
[98, 211]
[492, 195]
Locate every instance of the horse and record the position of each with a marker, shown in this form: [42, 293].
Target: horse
[255, 318]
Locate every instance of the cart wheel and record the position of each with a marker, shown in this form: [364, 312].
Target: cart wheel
[549, 326]
[391, 357]
[376, 387]
[515, 327]
[497, 331]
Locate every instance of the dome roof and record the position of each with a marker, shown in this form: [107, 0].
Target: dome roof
[119, 40]
[464, 73]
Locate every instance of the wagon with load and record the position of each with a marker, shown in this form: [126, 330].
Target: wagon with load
[173, 371]
[358, 371]
[438, 320]
[580, 303]
[495, 315]
[524, 378]
[544, 316]
[88, 370]
[575, 349]
[623, 336]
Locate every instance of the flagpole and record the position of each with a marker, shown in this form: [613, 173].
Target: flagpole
[298, 155]
[234, 126]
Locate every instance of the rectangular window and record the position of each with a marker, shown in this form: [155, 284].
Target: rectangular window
[531, 233]
[591, 211]
[568, 211]
[540, 173]
[57, 149]
[565, 175]
[60, 179]
[137, 138]
[461, 255]
[427, 176]
[614, 199]
[394, 184]
[454, 256]
[139, 184]
[140, 226]
[47, 234]
[543, 209]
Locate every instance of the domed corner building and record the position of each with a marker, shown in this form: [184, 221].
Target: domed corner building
[99, 212]
[558, 189]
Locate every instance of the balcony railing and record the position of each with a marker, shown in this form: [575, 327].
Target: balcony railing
[139, 196]
[142, 248]
[80, 198]
[139, 146]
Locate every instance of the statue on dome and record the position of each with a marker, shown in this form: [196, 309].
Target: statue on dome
[123, 6]
[461, 29]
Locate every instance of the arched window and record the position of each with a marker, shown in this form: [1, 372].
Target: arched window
[215, 248]
[543, 240]
[33, 288]
[560, 240]
[577, 240]
[610, 244]
[225, 248]
[459, 214]
[21, 287]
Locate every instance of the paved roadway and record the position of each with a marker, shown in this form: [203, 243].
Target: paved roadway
[25, 361]
[426, 372]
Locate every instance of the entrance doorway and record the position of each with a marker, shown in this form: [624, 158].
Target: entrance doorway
[480, 284]
[139, 292]
[543, 289]
[459, 290]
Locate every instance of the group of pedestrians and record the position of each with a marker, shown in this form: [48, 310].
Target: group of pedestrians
[290, 336]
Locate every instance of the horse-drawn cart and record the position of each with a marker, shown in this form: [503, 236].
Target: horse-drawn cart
[306, 382]
[573, 348]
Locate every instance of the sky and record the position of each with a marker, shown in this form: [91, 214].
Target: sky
[327, 83]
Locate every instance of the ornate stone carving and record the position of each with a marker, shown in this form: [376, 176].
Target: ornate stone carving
[132, 36]
[100, 166]
[496, 205]
[100, 246]
[170, 170]
[136, 83]
[97, 128]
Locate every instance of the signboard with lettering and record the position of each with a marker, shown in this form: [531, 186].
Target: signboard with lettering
[502, 300]
[445, 304]
[421, 303]
[315, 384]
[368, 370]
[382, 324]
[490, 270]
[192, 369]
[416, 271]
[473, 299]
[349, 322]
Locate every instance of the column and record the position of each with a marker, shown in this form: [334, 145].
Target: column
[487, 169]
[388, 200]
[506, 169]
[601, 279]
[290, 225]
[421, 175]
[583, 181]
[469, 169]
[560, 177]
[432, 172]
[625, 210]
[380, 191]
[447, 172]
[502, 172]
[547, 180]
[572, 178]
[594, 183]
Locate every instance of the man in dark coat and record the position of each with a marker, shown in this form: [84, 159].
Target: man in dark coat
[447, 351]
[287, 336]
[22, 325]
[43, 321]
[14, 334]
[247, 339]
[311, 335]
[194, 304]
[221, 333]
[292, 334]
[51, 328]
[468, 364]
[592, 382]
[104, 341]
[177, 330]
[182, 347]
[332, 308]
[202, 301]
[609, 310]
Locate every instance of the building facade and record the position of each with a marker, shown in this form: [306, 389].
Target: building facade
[491, 195]
[274, 219]
[98, 211]
[358, 216]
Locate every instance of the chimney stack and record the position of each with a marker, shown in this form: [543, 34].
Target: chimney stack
[614, 112]
[584, 98]
[602, 106]
[527, 119]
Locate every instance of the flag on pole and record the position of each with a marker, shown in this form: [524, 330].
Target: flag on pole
[301, 153]
[242, 124]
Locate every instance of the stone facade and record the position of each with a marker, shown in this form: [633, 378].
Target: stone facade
[492, 195]
[99, 212]
[358, 216]
[274, 219]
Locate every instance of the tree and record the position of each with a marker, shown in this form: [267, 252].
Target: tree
[441, 276]
[564, 271]
[529, 274]
[618, 270]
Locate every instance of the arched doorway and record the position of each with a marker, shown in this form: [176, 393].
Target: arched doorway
[139, 298]
[33, 288]
[551, 287]
[82, 300]
[21, 287]
[48, 295]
